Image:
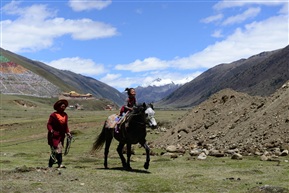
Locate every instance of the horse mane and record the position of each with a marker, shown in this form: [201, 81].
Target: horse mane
[138, 111]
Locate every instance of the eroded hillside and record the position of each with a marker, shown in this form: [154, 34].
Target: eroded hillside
[230, 119]
[15, 79]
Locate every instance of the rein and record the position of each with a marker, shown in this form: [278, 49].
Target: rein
[68, 144]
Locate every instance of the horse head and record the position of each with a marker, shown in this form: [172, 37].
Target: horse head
[150, 113]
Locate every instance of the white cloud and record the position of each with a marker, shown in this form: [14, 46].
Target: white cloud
[78, 65]
[237, 3]
[119, 82]
[110, 77]
[83, 5]
[284, 9]
[37, 28]
[217, 34]
[34, 12]
[147, 64]
[249, 13]
[253, 38]
[212, 18]
[256, 37]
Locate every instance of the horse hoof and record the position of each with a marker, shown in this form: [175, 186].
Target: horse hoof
[146, 166]
[128, 168]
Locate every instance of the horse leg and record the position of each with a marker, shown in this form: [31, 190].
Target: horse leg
[119, 151]
[107, 145]
[147, 163]
[128, 152]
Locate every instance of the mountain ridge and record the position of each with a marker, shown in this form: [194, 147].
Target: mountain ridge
[65, 80]
[260, 74]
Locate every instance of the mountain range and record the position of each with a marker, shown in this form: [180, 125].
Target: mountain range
[36, 77]
[260, 74]
[152, 93]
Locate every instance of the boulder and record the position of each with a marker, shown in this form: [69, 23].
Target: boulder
[216, 153]
[202, 156]
[284, 153]
[237, 156]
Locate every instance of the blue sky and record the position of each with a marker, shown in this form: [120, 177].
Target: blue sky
[131, 43]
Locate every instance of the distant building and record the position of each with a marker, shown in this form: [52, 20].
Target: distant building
[74, 94]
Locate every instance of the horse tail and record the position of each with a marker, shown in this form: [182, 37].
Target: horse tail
[99, 141]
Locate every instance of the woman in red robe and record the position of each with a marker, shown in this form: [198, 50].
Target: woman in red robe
[57, 128]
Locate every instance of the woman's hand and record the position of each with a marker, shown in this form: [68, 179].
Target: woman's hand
[69, 134]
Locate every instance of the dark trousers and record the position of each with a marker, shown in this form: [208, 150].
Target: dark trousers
[55, 158]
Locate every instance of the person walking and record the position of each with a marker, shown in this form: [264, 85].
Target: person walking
[57, 127]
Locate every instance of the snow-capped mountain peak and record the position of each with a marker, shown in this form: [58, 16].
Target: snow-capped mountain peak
[158, 82]
[163, 82]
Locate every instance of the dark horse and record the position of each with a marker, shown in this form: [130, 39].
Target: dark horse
[132, 131]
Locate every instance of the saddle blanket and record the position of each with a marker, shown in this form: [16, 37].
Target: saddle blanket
[112, 121]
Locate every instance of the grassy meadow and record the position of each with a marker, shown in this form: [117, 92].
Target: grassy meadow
[25, 153]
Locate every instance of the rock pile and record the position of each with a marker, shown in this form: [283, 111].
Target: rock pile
[233, 124]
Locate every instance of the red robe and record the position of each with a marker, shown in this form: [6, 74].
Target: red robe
[130, 102]
[58, 123]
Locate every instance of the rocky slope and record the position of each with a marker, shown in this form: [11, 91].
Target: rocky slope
[234, 120]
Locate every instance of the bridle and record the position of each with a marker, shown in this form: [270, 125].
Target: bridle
[69, 139]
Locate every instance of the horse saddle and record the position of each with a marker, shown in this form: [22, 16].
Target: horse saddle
[115, 121]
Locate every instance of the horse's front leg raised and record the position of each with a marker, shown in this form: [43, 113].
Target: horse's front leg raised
[120, 153]
[147, 163]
